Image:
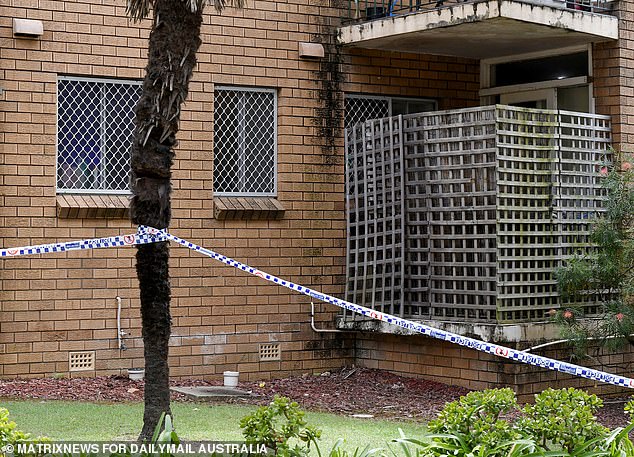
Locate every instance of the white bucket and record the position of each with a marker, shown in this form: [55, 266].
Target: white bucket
[231, 378]
[136, 374]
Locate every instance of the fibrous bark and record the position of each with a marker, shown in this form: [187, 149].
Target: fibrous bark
[174, 40]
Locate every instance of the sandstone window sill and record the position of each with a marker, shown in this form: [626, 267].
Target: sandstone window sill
[247, 208]
[85, 206]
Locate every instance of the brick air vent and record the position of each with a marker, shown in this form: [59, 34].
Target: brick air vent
[270, 352]
[81, 361]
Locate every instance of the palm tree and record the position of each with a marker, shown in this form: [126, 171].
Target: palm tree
[174, 41]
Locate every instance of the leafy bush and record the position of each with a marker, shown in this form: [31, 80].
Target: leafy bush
[563, 419]
[606, 271]
[470, 426]
[474, 421]
[277, 424]
[9, 435]
[561, 423]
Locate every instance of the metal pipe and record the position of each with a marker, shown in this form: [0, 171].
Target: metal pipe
[120, 333]
[552, 343]
[322, 330]
[539, 346]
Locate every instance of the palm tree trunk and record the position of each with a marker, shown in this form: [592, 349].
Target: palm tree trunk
[174, 40]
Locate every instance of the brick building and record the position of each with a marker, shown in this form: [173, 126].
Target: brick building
[259, 174]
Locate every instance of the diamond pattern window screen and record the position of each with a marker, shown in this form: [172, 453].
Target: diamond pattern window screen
[95, 123]
[245, 141]
[361, 108]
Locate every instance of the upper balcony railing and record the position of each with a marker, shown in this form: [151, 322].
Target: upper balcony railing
[368, 10]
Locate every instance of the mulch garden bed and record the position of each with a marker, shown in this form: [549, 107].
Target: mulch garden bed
[348, 391]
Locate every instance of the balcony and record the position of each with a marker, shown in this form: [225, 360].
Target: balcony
[462, 216]
[477, 29]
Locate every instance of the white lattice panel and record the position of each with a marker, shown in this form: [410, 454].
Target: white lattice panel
[491, 201]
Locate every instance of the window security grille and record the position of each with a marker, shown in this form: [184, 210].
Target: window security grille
[95, 123]
[361, 108]
[245, 141]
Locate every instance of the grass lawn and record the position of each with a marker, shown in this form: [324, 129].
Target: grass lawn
[76, 421]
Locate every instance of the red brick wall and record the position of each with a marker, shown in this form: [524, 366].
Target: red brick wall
[428, 358]
[58, 303]
[613, 84]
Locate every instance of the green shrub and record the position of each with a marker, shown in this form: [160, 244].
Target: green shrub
[605, 271]
[277, 424]
[561, 423]
[477, 417]
[9, 435]
[563, 419]
[472, 426]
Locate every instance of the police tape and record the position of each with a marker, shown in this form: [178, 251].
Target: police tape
[143, 236]
[482, 346]
[147, 235]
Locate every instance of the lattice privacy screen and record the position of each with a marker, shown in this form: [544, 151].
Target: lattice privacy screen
[245, 131]
[464, 215]
[95, 124]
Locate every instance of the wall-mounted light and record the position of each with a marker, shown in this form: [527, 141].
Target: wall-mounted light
[27, 28]
[311, 50]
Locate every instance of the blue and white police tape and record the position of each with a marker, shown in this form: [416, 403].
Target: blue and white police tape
[147, 235]
[482, 346]
[143, 236]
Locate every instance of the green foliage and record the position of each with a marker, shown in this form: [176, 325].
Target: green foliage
[165, 436]
[474, 421]
[277, 425]
[605, 272]
[10, 435]
[563, 419]
[338, 451]
[629, 409]
[470, 426]
[561, 423]
[282, 422]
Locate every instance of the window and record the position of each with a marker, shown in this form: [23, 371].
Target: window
[95, 123]
[540, 69]
[555, 80]
[360, 108]
[245, 141]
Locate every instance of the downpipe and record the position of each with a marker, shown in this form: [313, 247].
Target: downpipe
[120, 333]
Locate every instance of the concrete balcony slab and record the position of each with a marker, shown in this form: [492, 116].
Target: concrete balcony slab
[481, 30]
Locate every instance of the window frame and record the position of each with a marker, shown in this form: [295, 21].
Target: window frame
[101, 133]
[244, 89]
[488, 92]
